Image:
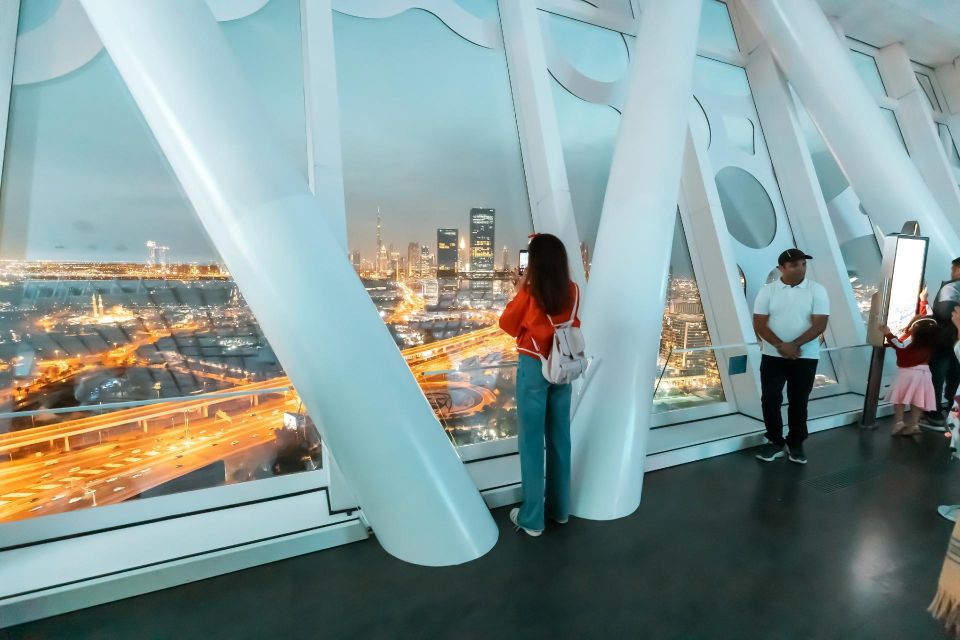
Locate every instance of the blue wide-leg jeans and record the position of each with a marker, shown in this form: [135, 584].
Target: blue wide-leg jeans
[544, 411]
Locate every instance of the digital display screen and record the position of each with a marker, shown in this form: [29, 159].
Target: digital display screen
[524, 258]
[906, 283]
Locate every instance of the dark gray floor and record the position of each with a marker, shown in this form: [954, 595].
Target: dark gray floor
[849, 546]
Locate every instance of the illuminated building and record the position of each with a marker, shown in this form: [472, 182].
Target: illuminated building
[482, 235]
[448, 256]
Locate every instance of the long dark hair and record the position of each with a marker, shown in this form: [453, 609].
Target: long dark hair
[925, 332]
[548, 273]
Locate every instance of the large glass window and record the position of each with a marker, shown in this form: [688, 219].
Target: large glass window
[130, 364]
[687, 365]
[436, 202]
[588, 66]
[749, 194]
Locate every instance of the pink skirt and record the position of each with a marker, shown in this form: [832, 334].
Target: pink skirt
[913, 385]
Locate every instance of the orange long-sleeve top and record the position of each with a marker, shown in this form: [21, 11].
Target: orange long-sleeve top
[526, 321]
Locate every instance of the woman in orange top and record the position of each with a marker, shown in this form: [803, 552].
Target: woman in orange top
[545, 296]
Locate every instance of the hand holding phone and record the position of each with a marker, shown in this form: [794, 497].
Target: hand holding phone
[524, 260]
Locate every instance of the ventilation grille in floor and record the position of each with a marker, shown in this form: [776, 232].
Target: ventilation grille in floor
[844, 478]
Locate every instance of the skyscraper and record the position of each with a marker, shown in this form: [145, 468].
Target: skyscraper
[426, 261]
[413, 259]
[355, 260]
[448, 257]
[505, 260]
[378, 260]
[482, 228]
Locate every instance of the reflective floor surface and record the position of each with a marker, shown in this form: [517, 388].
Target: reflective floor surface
[849, 546]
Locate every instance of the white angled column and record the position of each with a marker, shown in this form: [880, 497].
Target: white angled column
[288, 261]
[806, 209]
[9, 19]
[623, 307]
[540, 143]
[819, 68]
[919, 130]
[324, 154]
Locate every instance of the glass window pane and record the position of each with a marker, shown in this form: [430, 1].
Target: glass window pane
[927, 85]
[436, 205]
[111, 292]
[716, 30]
[720, 77]
[891, 119]
[866, 67]
[687, 368]
[949, 145]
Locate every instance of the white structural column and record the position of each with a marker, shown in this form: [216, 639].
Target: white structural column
[806, 208]
[919, 131]
[9, 19]
[256, 207]
[623, 307]
[324, 154]
[819, 68]
[540, 144]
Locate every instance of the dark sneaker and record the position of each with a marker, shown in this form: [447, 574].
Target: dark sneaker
[770, 452]
[796, 454]
[933, 420]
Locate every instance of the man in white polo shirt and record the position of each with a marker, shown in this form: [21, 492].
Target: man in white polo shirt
[789, 316]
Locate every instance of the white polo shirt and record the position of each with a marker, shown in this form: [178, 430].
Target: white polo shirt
[790, 309]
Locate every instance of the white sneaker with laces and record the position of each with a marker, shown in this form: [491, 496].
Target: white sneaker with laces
[513, 518]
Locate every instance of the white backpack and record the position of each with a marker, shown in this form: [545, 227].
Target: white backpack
[567, 361]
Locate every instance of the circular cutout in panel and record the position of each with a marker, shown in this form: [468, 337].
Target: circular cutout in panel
[747, 208]
[774, 275]
[743, 280]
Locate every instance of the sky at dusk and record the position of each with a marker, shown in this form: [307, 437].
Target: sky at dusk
[428, 132]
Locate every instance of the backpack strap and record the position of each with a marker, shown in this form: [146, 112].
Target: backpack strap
[576, 302]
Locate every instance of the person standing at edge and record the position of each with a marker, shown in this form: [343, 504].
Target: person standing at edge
[789, 315]
[545, 296]
[943, 365]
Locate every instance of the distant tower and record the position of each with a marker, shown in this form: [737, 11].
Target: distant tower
[413, 259]
[378, 262]
[162, 253]
[585, 256]
[151, 253]
[462, 252]
[505, 261]
[93, 301]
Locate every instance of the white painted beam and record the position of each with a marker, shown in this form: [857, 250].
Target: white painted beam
[540, 143]
[324, 152]
[286, 257]
[621, 323]
[819, 68]
[919, 130]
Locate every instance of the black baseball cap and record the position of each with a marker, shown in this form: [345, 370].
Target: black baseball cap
[792, 255]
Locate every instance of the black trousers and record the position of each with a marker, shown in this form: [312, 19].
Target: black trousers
[945, 369]
[799, 376]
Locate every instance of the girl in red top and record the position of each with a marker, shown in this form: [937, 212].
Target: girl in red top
[544, 293]
[913, 384]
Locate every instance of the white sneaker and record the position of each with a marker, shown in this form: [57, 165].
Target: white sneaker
[513, 518]
[949, 511]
